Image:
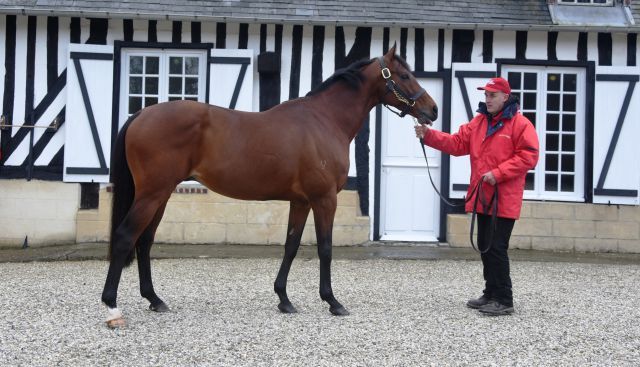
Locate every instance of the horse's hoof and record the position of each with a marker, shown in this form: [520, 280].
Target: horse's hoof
[287, 308]
[115, 319]
[116, 323]
[160, 307]
[339, 311]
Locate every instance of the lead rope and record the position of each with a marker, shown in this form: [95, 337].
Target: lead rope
[478, 192]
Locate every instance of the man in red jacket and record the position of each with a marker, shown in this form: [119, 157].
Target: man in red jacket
[503, 146]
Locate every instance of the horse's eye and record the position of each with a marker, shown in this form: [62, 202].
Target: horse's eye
[404, 76]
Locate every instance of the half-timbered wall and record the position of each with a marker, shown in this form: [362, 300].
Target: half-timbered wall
[35, 54]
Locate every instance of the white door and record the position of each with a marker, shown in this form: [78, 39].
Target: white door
[409, 207]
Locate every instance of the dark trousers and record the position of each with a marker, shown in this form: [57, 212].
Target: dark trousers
[495, 262]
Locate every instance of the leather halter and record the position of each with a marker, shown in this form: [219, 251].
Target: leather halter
[408, 100]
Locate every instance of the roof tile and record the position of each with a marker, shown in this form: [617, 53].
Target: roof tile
[482, 14]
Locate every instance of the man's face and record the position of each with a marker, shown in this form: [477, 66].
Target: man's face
[495, 101]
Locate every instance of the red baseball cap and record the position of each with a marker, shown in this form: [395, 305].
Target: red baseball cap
[497, 85]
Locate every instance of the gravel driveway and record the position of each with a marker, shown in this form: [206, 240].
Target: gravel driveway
[407, 312]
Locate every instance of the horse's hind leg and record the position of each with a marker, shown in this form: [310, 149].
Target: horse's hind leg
[324, 210]
[143, 249]
[298, 213]
[137, 219]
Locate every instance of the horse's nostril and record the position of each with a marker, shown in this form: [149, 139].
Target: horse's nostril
[435, 110]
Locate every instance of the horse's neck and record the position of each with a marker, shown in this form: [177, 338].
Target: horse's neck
[348, 108]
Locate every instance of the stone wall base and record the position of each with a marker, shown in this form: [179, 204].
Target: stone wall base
[564, 227]
[202, 216]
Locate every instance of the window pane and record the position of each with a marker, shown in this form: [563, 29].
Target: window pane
[135, 104]
[568, 143]
[567, 183]
[552, 142]
[191, 99]
[191, 86]
[553, 82]
[570, 81]
[569, 102]
[530, 81]
[568, 163]
[531, 116]
[191, 65]
[553, 102]
[175, 65]
[174, 98]
[529, 181]
[514, 80]
[135, 85]
[151, 85]
[518, 97]
[135, 65]
[152, 65]
[175, 85]
[568, 122]
[149, 101]
[551, 182]
[553, 123]
[529, 102]
[551, 162]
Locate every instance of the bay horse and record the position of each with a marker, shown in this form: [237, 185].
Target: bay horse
[297, 151]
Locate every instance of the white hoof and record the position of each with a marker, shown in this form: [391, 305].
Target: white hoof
[114, 313]
[115, 319]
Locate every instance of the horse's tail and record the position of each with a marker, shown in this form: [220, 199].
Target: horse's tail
[123, 188]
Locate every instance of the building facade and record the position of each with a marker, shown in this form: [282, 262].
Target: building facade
[75, 70]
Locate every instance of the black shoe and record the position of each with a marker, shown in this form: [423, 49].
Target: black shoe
[495, 308]
[477, 303]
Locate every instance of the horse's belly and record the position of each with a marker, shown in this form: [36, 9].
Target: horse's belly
[247, 184]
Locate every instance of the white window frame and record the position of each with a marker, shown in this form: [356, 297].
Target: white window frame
[589, 3]
[539, 192]
[163, 72]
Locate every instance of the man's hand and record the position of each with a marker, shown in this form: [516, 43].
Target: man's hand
[490, 178]
[421, 129]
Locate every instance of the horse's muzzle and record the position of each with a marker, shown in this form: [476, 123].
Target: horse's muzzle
[425, 118]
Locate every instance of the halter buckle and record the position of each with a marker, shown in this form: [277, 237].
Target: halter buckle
[386, 73]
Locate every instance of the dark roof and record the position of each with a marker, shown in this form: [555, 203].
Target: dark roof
[493, 14]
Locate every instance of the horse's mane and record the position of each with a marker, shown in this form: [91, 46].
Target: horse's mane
[350, 75]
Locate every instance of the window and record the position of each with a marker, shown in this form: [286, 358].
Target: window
[151, 77]
[586, 2]
[552, 98]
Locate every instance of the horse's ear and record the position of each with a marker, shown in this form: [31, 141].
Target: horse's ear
[392, 51]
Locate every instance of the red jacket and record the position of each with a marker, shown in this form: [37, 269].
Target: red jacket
[509, 149]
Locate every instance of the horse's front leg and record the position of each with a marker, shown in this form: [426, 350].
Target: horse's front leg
[298, 213]
[324, 210]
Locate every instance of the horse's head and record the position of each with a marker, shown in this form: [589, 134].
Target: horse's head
[403, 91]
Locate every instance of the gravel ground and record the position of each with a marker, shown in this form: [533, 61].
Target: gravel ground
[402, 313]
